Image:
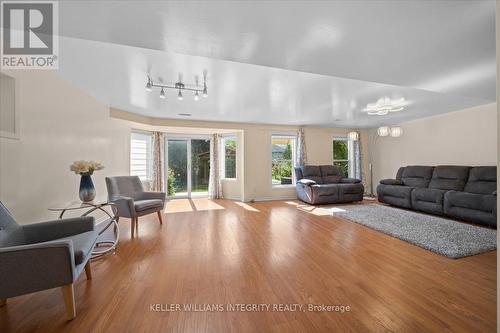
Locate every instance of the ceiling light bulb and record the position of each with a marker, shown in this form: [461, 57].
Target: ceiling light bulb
[179, 95]
[396, 132]
[148, 85]
[205, 92]
[196, 96]
[162, 93]
[353, 136]
[383, 131]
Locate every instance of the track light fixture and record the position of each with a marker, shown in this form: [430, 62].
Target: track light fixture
[150, 84]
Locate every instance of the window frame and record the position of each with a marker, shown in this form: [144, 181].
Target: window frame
[149, 156]
[222, 162]
[283, 135]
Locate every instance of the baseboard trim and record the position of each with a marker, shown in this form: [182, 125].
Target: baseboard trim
[271, 198]
[234, 198]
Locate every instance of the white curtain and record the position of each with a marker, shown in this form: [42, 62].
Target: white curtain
[214, 184]
[301, 152]
[157, 181]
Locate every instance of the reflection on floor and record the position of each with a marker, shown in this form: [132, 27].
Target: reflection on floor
[191, 205]
[324, 210]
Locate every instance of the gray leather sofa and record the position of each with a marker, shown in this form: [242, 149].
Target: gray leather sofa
[324, 184]
[462, 192]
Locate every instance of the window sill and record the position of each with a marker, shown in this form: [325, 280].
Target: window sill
[229, 179]
[278, 186]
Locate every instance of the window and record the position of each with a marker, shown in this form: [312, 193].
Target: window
[282, 159]
[341, 154]
[228, 163]
[140, 155]
[346, 156]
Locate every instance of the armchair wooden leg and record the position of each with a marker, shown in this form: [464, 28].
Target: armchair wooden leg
[160, 216]
[69, 301]
[132, 226]
[3, 302]
[88, 270]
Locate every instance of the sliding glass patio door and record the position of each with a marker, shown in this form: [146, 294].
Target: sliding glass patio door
[188, 166]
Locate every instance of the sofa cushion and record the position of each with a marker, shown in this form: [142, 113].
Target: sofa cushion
[142, 205]
[477, 208]
[449, 177]
[395, 195]
[474, 201]
[482, 180]
[429, 195]
[330, 174]
[395, 191]
[417, 176]
[351, 188]
[428, 200]
[82, 245]
[326, 189]
[312, 172]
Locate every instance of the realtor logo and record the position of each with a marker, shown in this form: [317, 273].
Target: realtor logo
[29, 35]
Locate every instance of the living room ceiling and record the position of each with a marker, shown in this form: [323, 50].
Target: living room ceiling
[296, 63]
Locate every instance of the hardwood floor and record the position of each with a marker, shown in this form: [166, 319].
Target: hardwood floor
[221, 252]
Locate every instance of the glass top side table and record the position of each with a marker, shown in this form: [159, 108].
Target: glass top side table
[102, 225]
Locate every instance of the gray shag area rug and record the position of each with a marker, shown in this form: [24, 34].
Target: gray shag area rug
[447, 237]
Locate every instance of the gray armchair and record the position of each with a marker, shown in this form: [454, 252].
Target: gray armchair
[45, 255]
[132, 201]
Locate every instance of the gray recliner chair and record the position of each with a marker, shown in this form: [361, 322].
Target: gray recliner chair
[132, 201]
[40, 256]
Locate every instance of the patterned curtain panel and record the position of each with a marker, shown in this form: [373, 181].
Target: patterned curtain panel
[214, 183]
[301, 153]
[158, 180]
[358, 159]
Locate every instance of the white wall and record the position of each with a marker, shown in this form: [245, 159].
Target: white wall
[58, 125]
[466, 137]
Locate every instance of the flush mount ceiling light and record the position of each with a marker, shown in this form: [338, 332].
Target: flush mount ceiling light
[179, 86]
[395, 131]
[385, 105]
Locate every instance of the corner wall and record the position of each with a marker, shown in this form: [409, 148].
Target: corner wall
[59, 124]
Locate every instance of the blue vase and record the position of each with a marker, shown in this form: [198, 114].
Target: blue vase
[87, 189]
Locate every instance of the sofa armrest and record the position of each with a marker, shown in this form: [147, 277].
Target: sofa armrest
[350, 180]
[391, 182]
[307, 182]
[36, 267]
[125, 206]
[152, 195]
[51, 230]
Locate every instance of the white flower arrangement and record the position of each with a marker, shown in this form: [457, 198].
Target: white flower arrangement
[85, 168]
